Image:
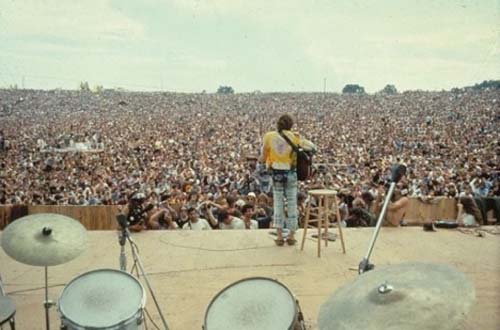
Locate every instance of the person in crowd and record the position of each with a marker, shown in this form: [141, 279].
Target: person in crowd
[361, 214]
[181, 217]
[301, 208]
[263, 211]
[468, 214]
[248, 213]
[137, 213]
[228, 221]
[397, 208]
[195, 222]
[47, 158]
[232, 207]
[251, 198]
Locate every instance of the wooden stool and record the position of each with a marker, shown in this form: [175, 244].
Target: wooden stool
[322, 212]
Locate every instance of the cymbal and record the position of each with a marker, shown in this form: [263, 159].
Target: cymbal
[44, 239]
[406, 296]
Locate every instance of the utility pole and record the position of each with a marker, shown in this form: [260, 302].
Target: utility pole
[22, 83]
[324, 85]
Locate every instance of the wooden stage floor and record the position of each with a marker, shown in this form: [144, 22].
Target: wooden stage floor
[187, 269]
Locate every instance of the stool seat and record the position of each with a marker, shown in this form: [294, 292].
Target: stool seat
[7, 309]
[322, 192]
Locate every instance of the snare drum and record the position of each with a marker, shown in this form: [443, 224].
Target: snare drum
[254, 303]
[102, 299]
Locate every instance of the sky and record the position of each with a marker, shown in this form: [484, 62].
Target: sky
[264, 45]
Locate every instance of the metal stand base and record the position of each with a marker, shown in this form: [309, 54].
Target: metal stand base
[125, 236]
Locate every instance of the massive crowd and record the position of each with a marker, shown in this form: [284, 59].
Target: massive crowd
[83, 148]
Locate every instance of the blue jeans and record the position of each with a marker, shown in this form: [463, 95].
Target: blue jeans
[286, 191]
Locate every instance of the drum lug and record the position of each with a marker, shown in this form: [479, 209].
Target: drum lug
[300, 316]
[141, 319]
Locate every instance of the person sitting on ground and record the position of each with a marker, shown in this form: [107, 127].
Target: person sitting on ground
[468, 213]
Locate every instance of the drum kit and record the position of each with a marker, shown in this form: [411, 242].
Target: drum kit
[99, 299]
[44, 240]
[406, 296]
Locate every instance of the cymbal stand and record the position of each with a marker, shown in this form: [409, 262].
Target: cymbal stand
[47, 304]
[125, 236]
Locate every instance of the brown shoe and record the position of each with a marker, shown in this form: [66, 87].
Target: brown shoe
[279, 241]
[291, 241]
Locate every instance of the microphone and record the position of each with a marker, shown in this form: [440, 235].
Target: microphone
[397, 172]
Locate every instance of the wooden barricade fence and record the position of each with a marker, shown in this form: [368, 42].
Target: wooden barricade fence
[91, 217]
[104, 217]
[419, 211]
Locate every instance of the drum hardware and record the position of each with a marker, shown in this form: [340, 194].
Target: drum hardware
[7, 309]
[123, 237]
[47, 304]
[412, 296]
[398, 171]
[44, 239]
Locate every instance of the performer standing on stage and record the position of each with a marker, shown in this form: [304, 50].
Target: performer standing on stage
[280, 159]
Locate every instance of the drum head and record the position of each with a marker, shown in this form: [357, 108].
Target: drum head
[253, 303]
[101, 298]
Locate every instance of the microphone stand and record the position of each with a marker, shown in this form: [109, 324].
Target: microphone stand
[398, 171]
[365, 264]
[123, 238]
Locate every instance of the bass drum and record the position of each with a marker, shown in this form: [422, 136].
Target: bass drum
[255, 303]
[102, 299]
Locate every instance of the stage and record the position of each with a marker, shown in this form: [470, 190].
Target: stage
[187, 269]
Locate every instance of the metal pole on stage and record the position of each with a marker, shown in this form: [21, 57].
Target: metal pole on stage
[398, 171]
[365, 265]
[138, 262]
[123, 237]
[47, 303]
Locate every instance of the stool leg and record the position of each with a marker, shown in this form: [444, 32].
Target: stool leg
[12, 322]
[339, 224]
[327, 219]
[321, 205]
[306, 224]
